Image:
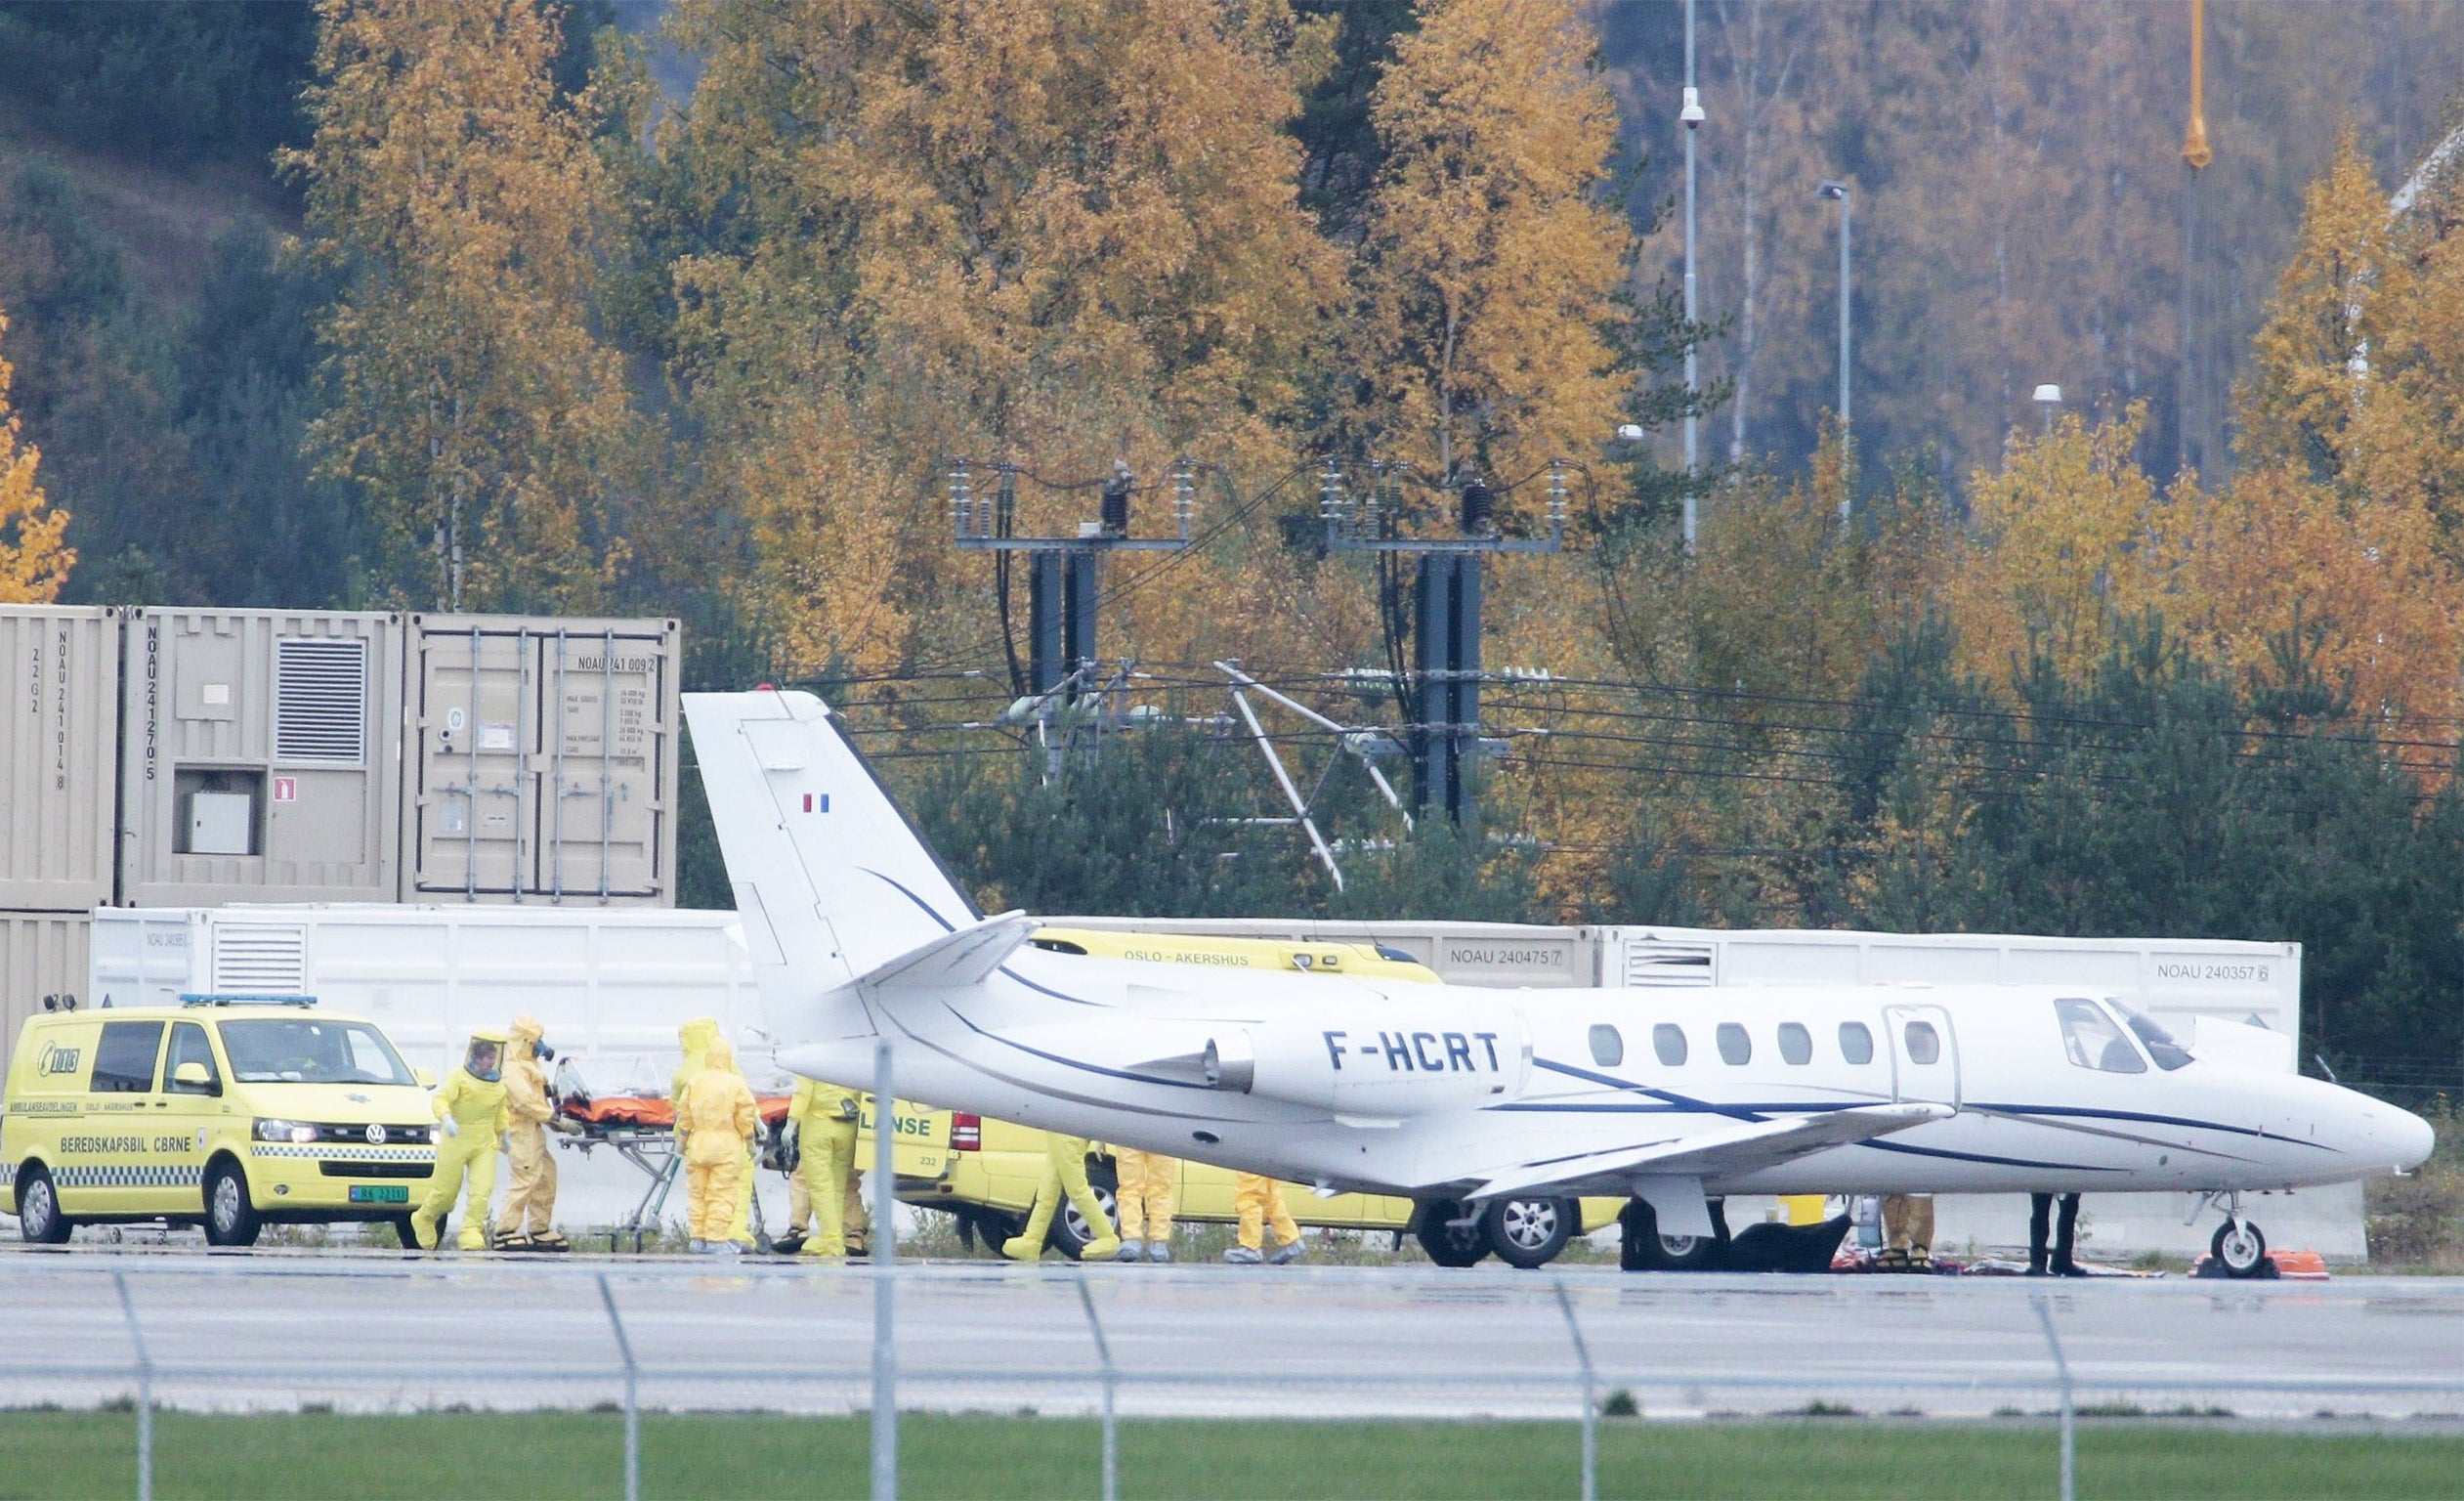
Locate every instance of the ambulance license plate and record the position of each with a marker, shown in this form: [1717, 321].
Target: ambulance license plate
[379, 1193]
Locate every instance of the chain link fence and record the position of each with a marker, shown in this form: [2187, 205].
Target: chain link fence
[229, 1333]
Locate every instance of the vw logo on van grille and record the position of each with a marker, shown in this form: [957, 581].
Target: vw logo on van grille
[377, 1136]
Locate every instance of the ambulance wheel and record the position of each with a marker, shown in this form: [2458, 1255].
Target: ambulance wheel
[1070, 1234]
[39, 1219]
[1530, 1232]
[230, 1219]
[1449, 1244]
[2239, 1247]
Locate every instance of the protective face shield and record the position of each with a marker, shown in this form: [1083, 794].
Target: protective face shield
[485, 1059]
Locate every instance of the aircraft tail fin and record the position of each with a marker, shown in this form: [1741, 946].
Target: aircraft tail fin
[831, 882]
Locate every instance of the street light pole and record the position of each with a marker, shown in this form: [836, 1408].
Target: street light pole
[1840, 191]
[1692, 116]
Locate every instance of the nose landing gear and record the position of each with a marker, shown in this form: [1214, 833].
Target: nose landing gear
[2239, 1248]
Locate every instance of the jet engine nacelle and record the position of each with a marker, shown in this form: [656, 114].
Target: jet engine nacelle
[1385, 1062]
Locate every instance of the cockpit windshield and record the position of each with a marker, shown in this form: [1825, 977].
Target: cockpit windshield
[2092, 1040]
[2161, 1046]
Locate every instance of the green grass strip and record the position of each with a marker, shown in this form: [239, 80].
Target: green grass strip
[538, 1456]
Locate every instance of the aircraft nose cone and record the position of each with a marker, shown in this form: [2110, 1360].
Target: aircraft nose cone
[2413, 1139]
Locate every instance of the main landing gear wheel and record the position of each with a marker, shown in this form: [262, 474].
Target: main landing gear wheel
[1530, 1232]
[2239, 1247]
[1447, 1243]
[1640, 1247]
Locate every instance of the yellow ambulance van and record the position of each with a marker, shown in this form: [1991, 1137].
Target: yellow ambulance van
[227, 1111]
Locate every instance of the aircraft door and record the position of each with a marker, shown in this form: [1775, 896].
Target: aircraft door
[1924, 1054]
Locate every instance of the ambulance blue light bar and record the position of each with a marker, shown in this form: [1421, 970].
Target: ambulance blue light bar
[243, 999]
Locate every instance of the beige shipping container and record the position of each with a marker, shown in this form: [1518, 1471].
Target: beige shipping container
[43, 957]
[540, 760]
[59, 730]
[260, 756]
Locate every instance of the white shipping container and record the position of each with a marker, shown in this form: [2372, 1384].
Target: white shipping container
[260, 757]
[43, 961]
[59, 730]
[1510, 955]
[541, 760]
[2214, 991]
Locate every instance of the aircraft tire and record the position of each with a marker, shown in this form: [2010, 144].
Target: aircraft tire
[1640, 1247]
[2240, 1249]
[1446, 1245]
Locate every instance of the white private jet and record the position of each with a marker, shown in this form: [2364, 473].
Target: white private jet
[1495, 1110]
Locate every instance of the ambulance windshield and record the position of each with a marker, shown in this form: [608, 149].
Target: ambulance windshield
[303, 1050]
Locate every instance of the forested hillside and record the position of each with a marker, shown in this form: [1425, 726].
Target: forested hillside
[693, 309]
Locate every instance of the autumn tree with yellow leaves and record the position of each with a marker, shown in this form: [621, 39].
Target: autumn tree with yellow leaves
[461, 201]
[1060, 236]
[35, 557]
[1495, 251]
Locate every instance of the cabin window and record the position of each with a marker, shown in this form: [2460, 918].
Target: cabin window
[1924, 1045]
[1856, 1045]
[1734, 1046]
[1795, 1044]
[1608, 1049]
[1668, 1039]
[2091, 1040]
[2161, 1043]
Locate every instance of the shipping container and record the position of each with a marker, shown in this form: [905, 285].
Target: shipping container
[260, 756]
[2181, 980]
[59, 730]
[1506, 955]
[43, 967]
[540, 760]
[2187, 983]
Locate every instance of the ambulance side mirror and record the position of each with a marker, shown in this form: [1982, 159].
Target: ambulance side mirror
[427, 1077]
[193, 1077]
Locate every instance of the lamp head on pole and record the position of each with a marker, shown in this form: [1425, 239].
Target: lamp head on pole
[1693, 114]
[1831, 189]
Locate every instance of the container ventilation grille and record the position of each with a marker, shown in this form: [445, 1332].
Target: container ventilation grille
[260, 959]
[1668, 964]
[320, 695]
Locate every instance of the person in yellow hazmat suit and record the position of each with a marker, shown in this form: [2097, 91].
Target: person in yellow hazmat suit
[1145, 1200]
[696, 1036]
[1259, 1202]
[825, 1119]
[716, 1118]
[1907, 1233]
[470, 1110]
[529, 1211]
[1064, 1173]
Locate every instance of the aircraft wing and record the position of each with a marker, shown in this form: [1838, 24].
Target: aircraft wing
[1724, 1151]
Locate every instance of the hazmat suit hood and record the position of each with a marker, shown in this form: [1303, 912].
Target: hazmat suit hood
[695, 1037]
[476, 1058]
[719, 1056]
[525, 1034]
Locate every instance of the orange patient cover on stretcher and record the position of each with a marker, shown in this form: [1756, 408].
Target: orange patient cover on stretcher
[646, 1114]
